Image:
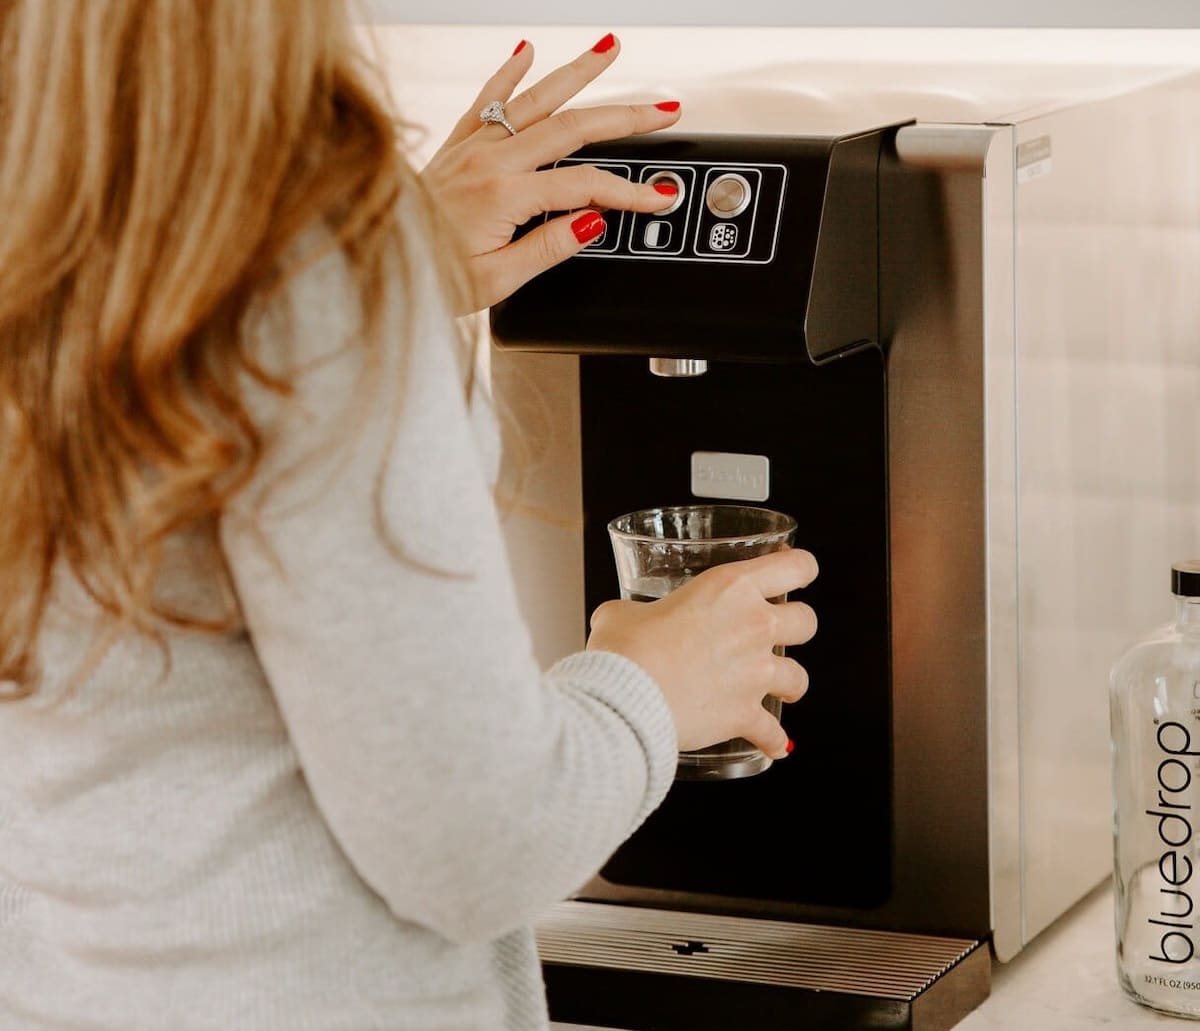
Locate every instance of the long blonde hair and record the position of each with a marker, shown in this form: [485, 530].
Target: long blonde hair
[157, 159]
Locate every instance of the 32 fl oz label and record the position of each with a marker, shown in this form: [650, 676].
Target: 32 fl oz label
[1172, 982]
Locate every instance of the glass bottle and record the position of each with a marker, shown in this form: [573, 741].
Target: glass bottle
[1155, 723]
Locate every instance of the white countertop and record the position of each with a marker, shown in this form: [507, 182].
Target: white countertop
[1064, 981]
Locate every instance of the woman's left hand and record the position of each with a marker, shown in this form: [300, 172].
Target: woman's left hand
[487, 182]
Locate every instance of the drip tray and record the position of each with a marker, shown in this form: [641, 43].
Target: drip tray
[643, 969]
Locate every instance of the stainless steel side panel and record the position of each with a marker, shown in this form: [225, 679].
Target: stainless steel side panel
[954, 509]
[540, 497]
[1108, 396]
[1001, 555]
[945, 246]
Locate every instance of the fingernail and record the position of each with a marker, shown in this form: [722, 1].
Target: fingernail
[604, 44]
[587, 226]
[791, 746]
[667, 189]
[667, 105]
[520, 47]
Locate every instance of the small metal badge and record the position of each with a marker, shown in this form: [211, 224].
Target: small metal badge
[724, 474]
[1034, 159]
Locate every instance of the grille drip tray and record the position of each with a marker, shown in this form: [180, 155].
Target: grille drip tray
[662, 970]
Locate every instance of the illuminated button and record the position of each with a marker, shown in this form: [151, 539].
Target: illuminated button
[657, 235]
[728, 195]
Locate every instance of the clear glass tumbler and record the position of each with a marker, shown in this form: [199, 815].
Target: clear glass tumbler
[660, 549]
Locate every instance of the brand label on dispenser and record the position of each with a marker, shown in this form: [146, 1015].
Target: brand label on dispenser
[723, 474]
[1033, 159]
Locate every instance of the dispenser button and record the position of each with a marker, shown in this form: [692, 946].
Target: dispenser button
[671, 179]
[728, 195]
[609, 241]
[664, 233]
[657, 235]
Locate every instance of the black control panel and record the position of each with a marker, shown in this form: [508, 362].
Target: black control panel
[724, 211]
[767, 251]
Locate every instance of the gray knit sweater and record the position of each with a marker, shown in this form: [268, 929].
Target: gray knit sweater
[347, 815]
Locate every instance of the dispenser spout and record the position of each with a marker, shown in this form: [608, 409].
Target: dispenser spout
[678, 366]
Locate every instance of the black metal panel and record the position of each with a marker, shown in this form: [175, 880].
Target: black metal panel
[824, 431]
[641, 1001]
[805, 287]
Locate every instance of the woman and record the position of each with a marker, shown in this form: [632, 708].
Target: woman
[274, 751]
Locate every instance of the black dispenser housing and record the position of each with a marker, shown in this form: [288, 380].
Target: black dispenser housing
[798, 288]
[782, 301]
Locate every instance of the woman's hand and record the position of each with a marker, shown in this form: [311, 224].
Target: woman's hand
[709, 645]
[487, 183]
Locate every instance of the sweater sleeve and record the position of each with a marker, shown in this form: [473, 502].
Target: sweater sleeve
[469, 789]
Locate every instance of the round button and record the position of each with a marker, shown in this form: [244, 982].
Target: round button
[672, 179]
[728, 195]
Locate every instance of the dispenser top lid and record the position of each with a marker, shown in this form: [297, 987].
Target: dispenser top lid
[1185, 579]
[839, 97]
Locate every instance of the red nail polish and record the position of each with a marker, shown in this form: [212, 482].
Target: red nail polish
[587, 226]
[791, 745]
[667, 105]
[667, 189]
[605, 44]
[520, 47]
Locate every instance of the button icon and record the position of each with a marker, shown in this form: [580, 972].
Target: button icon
[723, 236]
[657, 235]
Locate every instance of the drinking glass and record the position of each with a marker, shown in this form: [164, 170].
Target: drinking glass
[660, 549]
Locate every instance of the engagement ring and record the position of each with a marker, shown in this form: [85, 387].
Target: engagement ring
[494, 112]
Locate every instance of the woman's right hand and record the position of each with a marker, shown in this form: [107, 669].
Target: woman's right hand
[709, 645]
[487, 183]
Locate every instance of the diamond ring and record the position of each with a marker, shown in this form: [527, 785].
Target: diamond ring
[494, 112]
